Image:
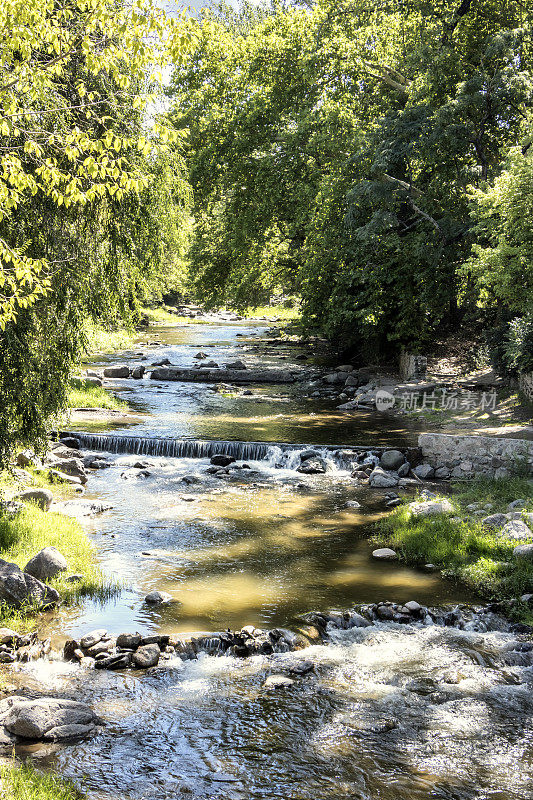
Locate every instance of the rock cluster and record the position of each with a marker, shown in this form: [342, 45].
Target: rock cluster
[21, 647]
[100, 650]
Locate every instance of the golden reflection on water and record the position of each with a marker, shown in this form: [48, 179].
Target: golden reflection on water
[269, 553]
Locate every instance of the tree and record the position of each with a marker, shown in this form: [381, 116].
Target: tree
[82, 157]
[333, 150]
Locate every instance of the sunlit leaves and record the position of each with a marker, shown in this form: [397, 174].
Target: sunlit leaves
[67, 146]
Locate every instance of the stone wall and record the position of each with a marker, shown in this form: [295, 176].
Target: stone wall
[466, 456]
[525, 385]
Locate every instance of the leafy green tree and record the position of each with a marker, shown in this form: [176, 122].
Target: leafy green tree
[86, 166]
[333, 150]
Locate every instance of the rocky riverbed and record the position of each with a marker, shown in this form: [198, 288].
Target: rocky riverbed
[208, 675]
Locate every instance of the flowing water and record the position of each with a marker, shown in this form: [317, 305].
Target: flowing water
[390, 711]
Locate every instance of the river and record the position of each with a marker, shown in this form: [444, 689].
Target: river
[388, 712]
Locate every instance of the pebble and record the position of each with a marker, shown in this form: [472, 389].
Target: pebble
[385, 554]
[277, 682]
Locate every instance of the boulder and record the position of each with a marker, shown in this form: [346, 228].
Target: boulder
[277, 682]
[137, 372]
[424, 471]
[494, 521]
[222, 460]
[82, 508]
[385, 554]
[352, 380]
[92, 638]
[392, 459]
[118, 371]
[305, 455]
[382, 479]
[56, 476]
[158, 598]
[236, 365]
[25, 458]
[17, 588]
[90, 381]
[70, 441]
[524, 551]
[516, 529]
[129, 641]
[73, 467]
[46, 564]
[41, 497]
[516, 505]
[8, 636]
[404, 469]
[313, 466]
[49, 718]
[147, 656]
[428, 508]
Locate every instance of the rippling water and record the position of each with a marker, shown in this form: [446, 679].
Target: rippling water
[389, 713]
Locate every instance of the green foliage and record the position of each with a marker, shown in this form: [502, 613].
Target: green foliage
[83, 395]
[24, 782]
[343, 152]
[93, 201]
[464, 549]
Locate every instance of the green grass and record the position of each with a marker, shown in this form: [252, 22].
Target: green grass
[23, 535]
[278, 312]
[105, 341]
[161, 316]
[24, 782]
[464, 549]
[83, 395]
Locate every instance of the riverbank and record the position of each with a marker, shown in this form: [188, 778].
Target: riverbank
[471, 544]
[23, 782]
[26, 528]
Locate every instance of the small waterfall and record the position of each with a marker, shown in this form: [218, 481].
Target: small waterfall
[284, 455]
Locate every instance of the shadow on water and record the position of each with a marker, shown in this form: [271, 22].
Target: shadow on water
[389, 712]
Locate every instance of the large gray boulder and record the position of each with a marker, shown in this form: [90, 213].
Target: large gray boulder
[18, 588]
[118, 371]
[392, 459]
[516, 529]
[49, 718]
[429, 508]
[424, 471]
[524, 551]
[41, 497]
[380, 478]
[494, 521]
[46, 564]
[71, 466]
[385, 554]
[146, 656]
[222, 460]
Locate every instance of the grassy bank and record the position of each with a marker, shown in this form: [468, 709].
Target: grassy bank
[23, 782]
[23, 535]
[273, 312]
[101, 340]
[83, 395]
[460, 545]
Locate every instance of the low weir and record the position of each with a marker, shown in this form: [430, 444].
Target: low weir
[198, 448]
